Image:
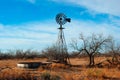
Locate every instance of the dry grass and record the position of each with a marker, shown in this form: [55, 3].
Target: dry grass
[79, 71]
[14, 74]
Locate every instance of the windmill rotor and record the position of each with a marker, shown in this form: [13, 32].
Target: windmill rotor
[61, 19]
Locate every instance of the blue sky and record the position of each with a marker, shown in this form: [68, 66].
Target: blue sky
[30, 24]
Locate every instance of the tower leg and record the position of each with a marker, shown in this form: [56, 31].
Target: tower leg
[62, 47]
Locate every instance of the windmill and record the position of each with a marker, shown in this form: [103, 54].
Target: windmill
[61, 19]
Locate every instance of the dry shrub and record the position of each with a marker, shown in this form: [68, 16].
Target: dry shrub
[75, 76]
[45, 76]
[112, 73]
[94, 72]
[40, 69]
[59, 65]
[118, 66]
[78, 77]
[49, 76]
[106, 64]
[11, 74]
[55, 77]
[67, 76]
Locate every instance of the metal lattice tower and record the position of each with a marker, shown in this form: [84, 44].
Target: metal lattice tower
[61, 43]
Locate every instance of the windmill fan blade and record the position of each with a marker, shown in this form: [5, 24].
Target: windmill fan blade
[68, 19]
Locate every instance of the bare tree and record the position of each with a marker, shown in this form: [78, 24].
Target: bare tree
[114, 49]
[51, 53]
[90, 45]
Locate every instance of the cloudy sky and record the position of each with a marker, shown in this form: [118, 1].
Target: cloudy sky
[30, 24]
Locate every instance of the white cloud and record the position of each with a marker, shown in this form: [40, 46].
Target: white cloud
[87, 28]
[1, 26]
[115, 21]
[41, 34]
[102, 6]
[29, 35]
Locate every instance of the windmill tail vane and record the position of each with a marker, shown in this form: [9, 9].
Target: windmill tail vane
[68, 19]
